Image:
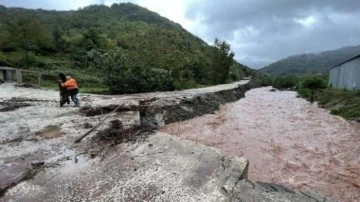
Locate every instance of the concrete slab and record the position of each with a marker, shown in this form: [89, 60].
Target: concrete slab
[160, 168]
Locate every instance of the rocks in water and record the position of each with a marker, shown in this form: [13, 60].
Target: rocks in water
[314, 195]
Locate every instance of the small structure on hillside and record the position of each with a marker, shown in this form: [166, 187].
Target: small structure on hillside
[22, 76]
[7, 74]
[346, 75]
[11, 74]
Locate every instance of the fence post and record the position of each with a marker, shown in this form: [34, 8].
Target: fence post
[18, 73]
[39, 79]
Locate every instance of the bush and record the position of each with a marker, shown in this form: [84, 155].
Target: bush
[30, 77]
[123, 73]
[310, 86]
[315, 82]
[140, 79]
[285, 82]
[263, 79]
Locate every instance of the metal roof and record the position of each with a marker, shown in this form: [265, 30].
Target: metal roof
[358, 56]
[7, 68]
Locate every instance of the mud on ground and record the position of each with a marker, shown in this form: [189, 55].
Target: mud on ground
[34, 129]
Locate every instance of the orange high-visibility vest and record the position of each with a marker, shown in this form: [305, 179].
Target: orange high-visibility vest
[70, 84]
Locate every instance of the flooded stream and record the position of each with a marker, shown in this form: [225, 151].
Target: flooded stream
[287, 141]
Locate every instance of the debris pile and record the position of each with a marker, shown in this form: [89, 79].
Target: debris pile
[116, 133]
[99, 110]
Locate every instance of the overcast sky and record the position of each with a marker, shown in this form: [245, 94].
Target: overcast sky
[259, 31]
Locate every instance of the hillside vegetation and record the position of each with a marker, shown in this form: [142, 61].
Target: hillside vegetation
[124, 48]
[313, 63]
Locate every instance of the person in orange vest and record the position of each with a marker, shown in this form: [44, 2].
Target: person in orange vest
[72, 89]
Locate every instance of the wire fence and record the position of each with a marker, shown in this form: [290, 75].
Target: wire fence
[89, 81]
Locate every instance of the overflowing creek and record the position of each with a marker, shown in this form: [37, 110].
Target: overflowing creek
[286, 139]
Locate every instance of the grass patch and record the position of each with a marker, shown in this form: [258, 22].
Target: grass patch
[342, 103]
[95, 90]
[88, 82]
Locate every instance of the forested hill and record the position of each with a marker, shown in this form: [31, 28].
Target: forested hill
[313, 63]
[124, 42]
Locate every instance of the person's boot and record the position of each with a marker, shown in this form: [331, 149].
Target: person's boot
[77, 104]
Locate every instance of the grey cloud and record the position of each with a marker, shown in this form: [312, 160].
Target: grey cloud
[276, 34]
[33, 4]
[50, 4]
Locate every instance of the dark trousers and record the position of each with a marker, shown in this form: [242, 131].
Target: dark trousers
[73, 94]
[64, 97]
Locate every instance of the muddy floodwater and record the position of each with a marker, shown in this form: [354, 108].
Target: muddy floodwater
[287, 141]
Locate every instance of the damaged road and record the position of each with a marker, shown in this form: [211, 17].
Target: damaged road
[35, 130]
[159, 168]
[37, 150]
[125, 158]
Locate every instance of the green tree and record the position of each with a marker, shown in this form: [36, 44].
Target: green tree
[28, 34]
[58, 40]
[314, 83]
[151, 43]
[123, 73]
[3, 36]
[222, 59]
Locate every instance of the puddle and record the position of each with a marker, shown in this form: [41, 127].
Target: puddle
[49, 132]
[75, 164]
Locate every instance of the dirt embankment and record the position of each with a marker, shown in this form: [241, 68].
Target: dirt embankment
[165, 111]
[164, 108]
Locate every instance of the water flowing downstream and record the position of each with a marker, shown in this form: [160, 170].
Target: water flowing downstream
[287, 141]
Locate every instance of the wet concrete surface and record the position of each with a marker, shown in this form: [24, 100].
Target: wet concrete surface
[287, 141]
[39, 131]
[159, 168]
